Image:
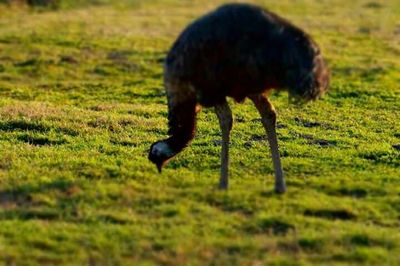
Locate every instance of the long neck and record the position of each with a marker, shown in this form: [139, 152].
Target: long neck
[182, 124]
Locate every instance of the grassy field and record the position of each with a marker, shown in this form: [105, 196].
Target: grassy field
[82, 99]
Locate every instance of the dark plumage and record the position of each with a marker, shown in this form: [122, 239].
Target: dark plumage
[241, 51]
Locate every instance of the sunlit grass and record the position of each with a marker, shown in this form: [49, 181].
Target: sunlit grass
[82, 99]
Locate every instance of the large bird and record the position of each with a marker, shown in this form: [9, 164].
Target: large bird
[241, 51]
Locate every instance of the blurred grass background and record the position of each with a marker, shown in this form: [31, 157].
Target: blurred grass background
[82, 99]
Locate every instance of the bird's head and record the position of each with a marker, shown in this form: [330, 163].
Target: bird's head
[160, 153]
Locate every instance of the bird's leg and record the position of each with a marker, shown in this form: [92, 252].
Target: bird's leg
[268, 118]
[224, 114]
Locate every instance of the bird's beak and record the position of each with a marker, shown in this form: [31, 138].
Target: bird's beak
[159, 168]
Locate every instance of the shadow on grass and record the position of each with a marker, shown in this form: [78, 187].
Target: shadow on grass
[331, 214]
[40, 140]
[384, 157]
[24, 125]
[270, 225]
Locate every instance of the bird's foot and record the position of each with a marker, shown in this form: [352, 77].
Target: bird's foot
[223, 186]
[280, 189]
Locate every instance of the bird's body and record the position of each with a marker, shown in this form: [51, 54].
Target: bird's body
[239, 51]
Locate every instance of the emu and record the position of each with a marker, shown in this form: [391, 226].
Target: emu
[241, 51]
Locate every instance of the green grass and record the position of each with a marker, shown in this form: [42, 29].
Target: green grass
[82, 99]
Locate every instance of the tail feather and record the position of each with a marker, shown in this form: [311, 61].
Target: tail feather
[309, 78]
